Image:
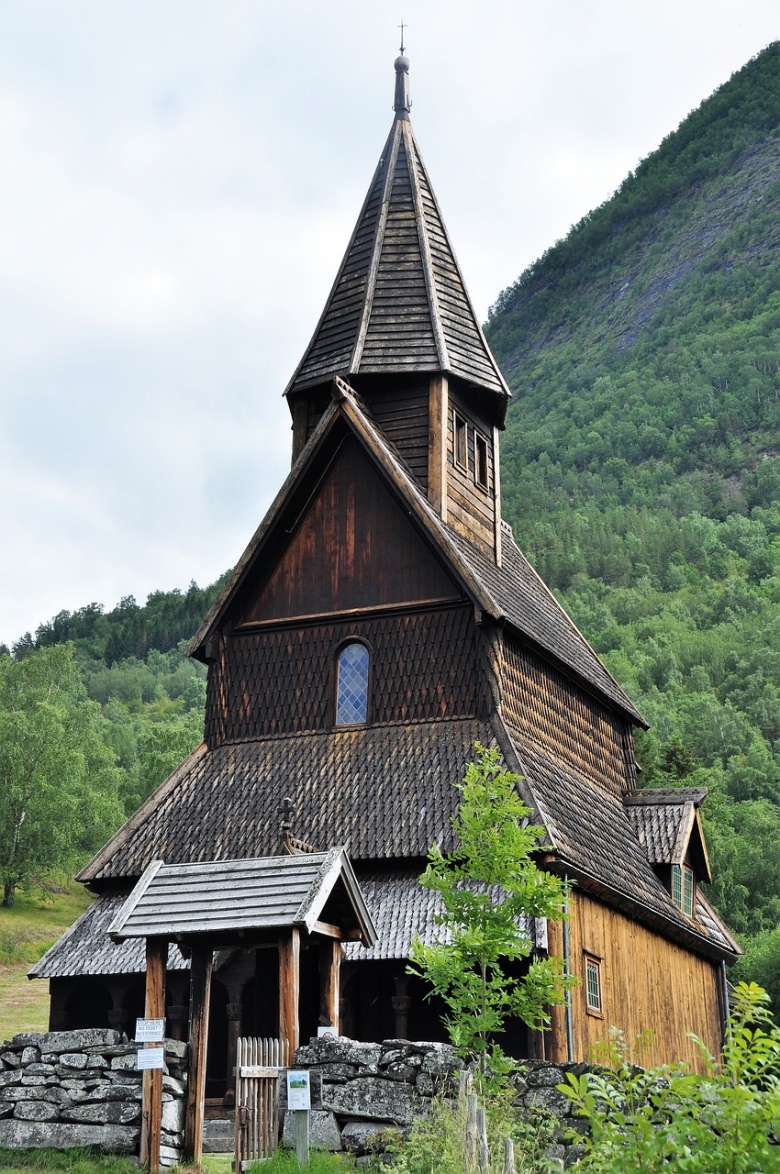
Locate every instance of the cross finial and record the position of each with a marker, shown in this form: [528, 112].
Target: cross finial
[402, 26]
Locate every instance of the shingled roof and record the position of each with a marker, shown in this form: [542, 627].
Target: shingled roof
[399, 302]
[385, 791]
[595, 843]
[665, 821]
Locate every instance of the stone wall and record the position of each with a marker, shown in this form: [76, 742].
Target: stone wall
[81, 1088]
[360, 1090]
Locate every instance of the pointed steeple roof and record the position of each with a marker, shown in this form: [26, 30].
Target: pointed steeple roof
[399, 303]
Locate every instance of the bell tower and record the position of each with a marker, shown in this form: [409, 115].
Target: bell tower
[400, 328]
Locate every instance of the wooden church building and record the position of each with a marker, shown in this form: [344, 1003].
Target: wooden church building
[380, 622]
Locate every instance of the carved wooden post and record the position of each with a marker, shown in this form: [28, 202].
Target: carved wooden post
[200, 994]
[289, 986]
[330, 982]
[154, 1008]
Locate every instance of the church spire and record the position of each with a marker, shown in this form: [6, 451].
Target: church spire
[399, 305]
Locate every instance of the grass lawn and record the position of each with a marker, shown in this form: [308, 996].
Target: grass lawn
[27, 929]
[88, 1162]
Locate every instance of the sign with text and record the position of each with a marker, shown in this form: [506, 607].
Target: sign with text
[327, 1033]
[298, 1090]
[149, 1031]
[150, 1058]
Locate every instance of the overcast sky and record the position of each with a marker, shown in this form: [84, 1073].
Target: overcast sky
[179, 181]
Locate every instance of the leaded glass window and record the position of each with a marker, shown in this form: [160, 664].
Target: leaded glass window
[352, 686]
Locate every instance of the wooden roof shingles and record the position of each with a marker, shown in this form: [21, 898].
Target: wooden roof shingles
[403, 909]
[593, 837]
[386, 791]
[399, 302]
[229, 897]
[85, 948]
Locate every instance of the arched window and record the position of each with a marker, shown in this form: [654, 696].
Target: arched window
[352, 685]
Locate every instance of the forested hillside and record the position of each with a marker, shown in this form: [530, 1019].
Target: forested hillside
[641, 464]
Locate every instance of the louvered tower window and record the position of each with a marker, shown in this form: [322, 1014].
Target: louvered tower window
[352, 685]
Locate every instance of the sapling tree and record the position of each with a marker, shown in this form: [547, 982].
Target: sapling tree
[490, 885]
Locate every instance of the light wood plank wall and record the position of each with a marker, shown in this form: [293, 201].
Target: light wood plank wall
[647, 982]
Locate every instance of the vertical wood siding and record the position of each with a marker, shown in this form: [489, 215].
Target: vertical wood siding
[281, 681]
[403, 417]
[470, 509]
[647, 983]
[550, 711]
[353, 548]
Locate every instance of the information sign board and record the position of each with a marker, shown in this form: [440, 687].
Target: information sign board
[149, 1031]
[150, 1058]
[298, 1089]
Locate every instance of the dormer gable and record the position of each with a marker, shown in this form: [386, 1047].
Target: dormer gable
[668, 825]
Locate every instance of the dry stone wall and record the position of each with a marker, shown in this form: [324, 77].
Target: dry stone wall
[80, 1088]
[360, 1091]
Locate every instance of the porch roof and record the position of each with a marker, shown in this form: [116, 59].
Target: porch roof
[234, 901]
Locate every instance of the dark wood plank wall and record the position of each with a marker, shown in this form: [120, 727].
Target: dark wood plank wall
[402, 414]
[648, 984]
[282, 680]
[353, 548]
[552, 712]
[470, 509]
[400, 333]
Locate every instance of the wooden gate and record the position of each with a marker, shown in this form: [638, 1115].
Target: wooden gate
[258, 1062]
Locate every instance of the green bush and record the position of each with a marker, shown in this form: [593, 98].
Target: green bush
[724, 1122]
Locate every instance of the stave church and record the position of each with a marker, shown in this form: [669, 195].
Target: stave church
[380, 622]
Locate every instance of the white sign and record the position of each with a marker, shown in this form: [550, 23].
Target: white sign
[149, 1031]
[150, 1058]
[298, 1090]
[327, 1033]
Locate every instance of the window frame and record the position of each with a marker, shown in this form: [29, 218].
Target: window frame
[684, 888]
[592, 964]
[338, 652]
[481, 450]
[460, 452]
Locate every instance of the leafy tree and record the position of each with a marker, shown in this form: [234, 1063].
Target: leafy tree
[59, 783]
[489, 886]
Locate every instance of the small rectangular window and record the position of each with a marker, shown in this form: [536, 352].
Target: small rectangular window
[683, 888]
[593, 999]
[461, 442]
[480, 461]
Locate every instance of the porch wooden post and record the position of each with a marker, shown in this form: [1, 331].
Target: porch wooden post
[154, 1008]
[289, 987]
[200, 994]
[330, 982]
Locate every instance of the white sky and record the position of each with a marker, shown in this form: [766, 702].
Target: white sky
[179, 181]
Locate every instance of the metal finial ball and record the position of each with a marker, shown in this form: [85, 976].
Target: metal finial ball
[402, 64]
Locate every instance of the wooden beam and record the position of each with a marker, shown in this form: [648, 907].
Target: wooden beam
[438, 400]
[555, 1044]
[154, 1008]
[200, 995]
[289, 987]
[330, 982]
[497, 498]
[327, 930]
